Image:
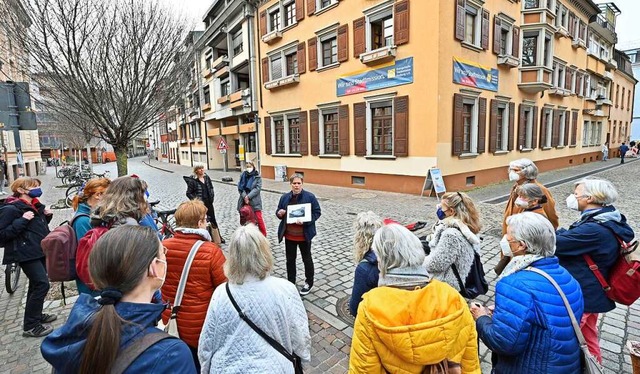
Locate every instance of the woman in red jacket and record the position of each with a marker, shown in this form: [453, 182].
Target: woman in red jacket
[204, 276]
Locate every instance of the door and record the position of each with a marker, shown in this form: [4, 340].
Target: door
[236, 145]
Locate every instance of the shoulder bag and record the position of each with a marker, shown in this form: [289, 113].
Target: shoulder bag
[295, 360]
[475, 283]
[589, 364]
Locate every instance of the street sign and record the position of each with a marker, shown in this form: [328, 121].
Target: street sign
[222, 144]
[223, 151]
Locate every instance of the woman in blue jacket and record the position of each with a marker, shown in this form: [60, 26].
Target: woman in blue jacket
[530, 330]
[594, 234]
[366, 276]
[128, 264]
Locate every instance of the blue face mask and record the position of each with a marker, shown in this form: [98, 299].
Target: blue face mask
[440, 214]
[36, 192]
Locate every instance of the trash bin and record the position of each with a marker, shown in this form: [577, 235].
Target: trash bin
[280, 172]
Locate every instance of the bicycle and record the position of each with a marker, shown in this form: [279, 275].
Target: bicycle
[164, 219]
[12, 277]
[78, 185]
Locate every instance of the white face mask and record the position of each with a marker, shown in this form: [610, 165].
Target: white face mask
[522, 203]
[165, 271]
[249, 170]
[513, 176]
[572, 202]
[505, 247]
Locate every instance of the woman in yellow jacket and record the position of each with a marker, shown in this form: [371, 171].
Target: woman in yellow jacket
[410, 321]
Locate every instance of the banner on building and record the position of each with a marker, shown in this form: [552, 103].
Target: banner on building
[394, 74]
[471, 74]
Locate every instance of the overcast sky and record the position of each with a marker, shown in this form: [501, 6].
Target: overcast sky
[627, 26]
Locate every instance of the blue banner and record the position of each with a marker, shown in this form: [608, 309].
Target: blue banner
[394, 74]
[473, 75]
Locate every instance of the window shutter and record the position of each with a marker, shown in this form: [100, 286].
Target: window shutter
[497, 31]
[267, 135]
[512, 114]
[299, 10]
[460, 14]
[265, 70]
[515, 40]
[485, 29]
[401, 126]
[567, 78]
[566, 126]
[359, 36]
[522, 127]
[534, 138]
[302, 58]
[311, 7]
[482, 124]
[343, 130]
[360, 128]
[555, 131]
[574, 128]
[401, 22]
[313, 54]
[314, 129]
[304, 133]
[572, 24]
[263, 23]
[493, 126]
[458, 102]
[543, 129]
[343, 43]
[585, 85]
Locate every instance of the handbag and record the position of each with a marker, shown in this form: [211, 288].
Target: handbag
[294, 358]
[475, 284]
[171, 327]
[589, 363]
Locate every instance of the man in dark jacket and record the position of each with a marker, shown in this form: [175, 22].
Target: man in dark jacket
[594, 234]
[298, 232]
[623, 151]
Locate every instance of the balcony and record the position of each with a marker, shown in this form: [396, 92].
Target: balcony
[272, 37]
[206, 107]
[223, 99]
[206, 73]
[595, 65]
[534, 79]
[220, 62]
[508, 61]
[605, 29]
[222, 71]
[612, 64]
[379, 55]
[286, 81]
[578, 43]
[608, 74]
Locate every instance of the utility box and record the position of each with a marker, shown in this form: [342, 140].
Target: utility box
[280, 172]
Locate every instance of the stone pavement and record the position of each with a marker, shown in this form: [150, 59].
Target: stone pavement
[330, 329]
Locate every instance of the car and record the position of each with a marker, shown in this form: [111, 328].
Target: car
[298, 212]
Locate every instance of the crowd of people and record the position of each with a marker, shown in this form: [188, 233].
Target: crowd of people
[234, 316]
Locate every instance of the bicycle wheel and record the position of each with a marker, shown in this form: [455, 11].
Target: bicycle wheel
[12, 277]
[72, 191]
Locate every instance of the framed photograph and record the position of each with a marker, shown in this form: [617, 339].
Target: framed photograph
[300, 212]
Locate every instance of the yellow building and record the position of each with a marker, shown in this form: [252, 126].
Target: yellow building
[373, 94]
[622, 92]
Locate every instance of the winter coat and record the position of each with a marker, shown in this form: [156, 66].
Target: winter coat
[309, 228]
[511, 208]
[64, 346]
[365, 279]
[452, 243]
[394, 331]
[593, 235]
[22, 237]
[204, 276]
[195, 188]
[623, 150]
[82, 224]
[530, 330]
[250, 185]
[229, 345]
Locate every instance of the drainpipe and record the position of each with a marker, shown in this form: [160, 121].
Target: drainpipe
[254, 77]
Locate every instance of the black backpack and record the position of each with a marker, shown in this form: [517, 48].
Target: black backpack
[475, 284]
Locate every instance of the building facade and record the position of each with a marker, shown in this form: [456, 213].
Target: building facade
[634, 59]
[373, 94]
[622, 97]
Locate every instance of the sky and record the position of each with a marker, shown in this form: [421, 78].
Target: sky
[626, 26]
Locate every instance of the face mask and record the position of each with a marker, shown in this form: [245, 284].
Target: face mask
[36, 192]
[572, 202]
[522, 203]
[249, 170]
[513, 176]
[505, 247]
[165, 271]
[441, 215]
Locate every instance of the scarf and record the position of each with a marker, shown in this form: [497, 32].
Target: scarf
[518, 263]
[406, 276]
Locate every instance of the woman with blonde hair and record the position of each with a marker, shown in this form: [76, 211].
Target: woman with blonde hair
[199, 186]
[228, 344]
[123, 203]
[366, 275]
[454, 239]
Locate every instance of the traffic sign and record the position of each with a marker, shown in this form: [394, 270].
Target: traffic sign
[222, 144]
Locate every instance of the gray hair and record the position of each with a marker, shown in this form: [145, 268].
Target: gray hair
[249, 255]
[602, 191]
[528, 169]
[533, 192]
[365, 227]
[535, 231]
[396, 247]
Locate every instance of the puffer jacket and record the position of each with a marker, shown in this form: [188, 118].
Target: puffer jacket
[250, 185]
[530, 331]
[364, 280]
[22, 237]
[204, 276]
[511, 208]
[452, 243]
[394, 331]
[196, 189]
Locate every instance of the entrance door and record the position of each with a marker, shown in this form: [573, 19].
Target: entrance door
[236, 144]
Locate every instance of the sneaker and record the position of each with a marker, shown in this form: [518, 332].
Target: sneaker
[306, 289]
[48, 318]
[38, 331]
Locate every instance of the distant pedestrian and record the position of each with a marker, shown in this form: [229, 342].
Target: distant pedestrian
[605, 151]
[623, 152]
[366, 276]
[296, 232]
[199, 186]
[3, 174]
[249, 188]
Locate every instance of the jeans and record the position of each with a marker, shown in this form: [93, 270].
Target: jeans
[38, 288]
[589, 328]
[291, 249]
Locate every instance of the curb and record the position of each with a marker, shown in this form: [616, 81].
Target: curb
[161, 169]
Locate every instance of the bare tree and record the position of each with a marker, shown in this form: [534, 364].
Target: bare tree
[111, 63]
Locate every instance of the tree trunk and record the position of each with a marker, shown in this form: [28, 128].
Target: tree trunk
[121, 159]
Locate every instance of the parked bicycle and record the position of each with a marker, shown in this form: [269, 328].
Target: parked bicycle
[164, 219]
[12, 273]
[78, 185]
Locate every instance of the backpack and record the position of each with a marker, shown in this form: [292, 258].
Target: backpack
[59, 247]
[475, 284]
[247, 215]
[85, 245]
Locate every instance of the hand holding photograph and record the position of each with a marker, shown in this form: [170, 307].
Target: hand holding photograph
[301, 212]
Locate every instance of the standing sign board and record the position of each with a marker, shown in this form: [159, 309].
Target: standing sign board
[434, 182]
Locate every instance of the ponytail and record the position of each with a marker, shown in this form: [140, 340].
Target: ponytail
[103, 342]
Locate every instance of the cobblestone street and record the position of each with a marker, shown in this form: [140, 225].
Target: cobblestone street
[330, 330]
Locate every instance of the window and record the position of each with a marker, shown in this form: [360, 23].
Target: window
[329, 50]
[531, 4]
[595, 133]
[278, 125]
[274, 19]
[242, 81]
[195, 130]
[562, 117]
[548, 118]
[535, 54]
[324, 3]
[225, 87]
[467, 120]
[504, 41]
[289, 13]
[586, 133]
[382, 128]
[562, 20]
[207, 95]
[547, 50]
[291, 63]
[528, 120]
[330, 126]
[622, 101]
[286, 131]
[381, 31]
[294, 135]
[529, 49]
[559, 74]
[237, 42]
[250, 143]
[502, 128]
[283, 63]
[208, 59]
[472, 25]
